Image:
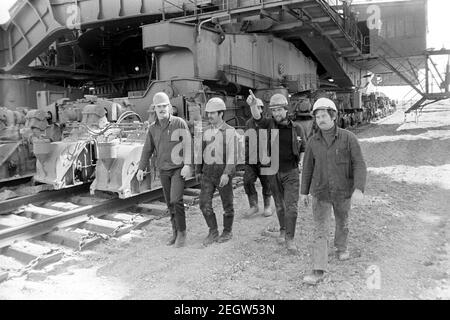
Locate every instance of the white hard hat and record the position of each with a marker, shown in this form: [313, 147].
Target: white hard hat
[215, 104]
[160, 98]
[324, 104]
[278, 100]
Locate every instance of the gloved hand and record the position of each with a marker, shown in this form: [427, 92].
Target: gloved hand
[357, 197]
[186, 171]
[224, 180]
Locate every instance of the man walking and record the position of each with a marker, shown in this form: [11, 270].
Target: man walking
[216, 170]
[253, 171]
[172, 174]
[334, 173]
[286, 182]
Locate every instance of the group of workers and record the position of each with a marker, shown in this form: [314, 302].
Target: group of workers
[329, 166]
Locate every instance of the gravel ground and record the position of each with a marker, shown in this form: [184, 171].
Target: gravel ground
[398, 235]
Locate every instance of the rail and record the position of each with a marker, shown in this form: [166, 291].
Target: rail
[69, 218]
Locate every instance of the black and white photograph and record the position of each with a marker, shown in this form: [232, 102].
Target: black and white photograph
[225, 156]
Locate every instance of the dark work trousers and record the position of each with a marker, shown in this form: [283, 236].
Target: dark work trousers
[208, 187]
[173, 186]
[321, 215]
[285, 192]
[253, 171]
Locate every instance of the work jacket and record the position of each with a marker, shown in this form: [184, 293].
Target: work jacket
[333, 172]
[298, 134]
[159, 140]
[221, 143]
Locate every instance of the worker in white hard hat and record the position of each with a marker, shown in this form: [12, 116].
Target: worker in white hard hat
[216, 170]
[334, 173]
[254, 169]
[285, 182]
[163, 137]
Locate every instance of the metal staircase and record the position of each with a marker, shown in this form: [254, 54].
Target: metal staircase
[410, 73]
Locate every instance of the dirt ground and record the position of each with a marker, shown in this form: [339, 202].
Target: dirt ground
[398, 239]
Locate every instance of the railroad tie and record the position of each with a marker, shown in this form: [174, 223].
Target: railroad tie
[34, 212]
[33, 254]
[71, 239]
[12, 220]
[3, 276]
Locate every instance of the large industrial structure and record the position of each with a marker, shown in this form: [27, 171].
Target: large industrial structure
[122, 52]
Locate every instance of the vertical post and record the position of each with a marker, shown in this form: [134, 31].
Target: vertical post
[163, 10]
[427, 69]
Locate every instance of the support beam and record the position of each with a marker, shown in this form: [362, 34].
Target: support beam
[390, 66]
[321, 20]
[331, 32]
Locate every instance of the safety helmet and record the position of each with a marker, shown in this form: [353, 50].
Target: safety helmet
[160, 98]
[215, 104]
[324, 104]
[278, 100]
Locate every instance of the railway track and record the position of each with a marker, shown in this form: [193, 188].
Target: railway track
[36, 230]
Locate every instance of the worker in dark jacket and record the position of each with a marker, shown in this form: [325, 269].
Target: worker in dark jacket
[216, 169]
[253, 170]
[334, 173]
[163, 137]
[285, 182]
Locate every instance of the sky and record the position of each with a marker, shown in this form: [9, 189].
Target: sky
[438, 22]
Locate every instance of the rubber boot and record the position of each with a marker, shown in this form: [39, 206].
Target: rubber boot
[282, 237]
[181, 239]
[227, 227]
[314, 278]
[213, 234]
[267, 209]
[173, 238]
[291, 247]
[253, 202]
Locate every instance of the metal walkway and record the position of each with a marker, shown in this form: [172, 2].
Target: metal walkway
[329, 31]
[329, 34]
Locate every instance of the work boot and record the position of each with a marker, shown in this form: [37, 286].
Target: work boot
[314, 278]
[181, 239]
[291, 247]
[225, 236]
[227, 227]
[212, 237]
[253, 202]
[213, 234]
[343, 255]
[282, 237]
[173, 238]
[267, 209]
